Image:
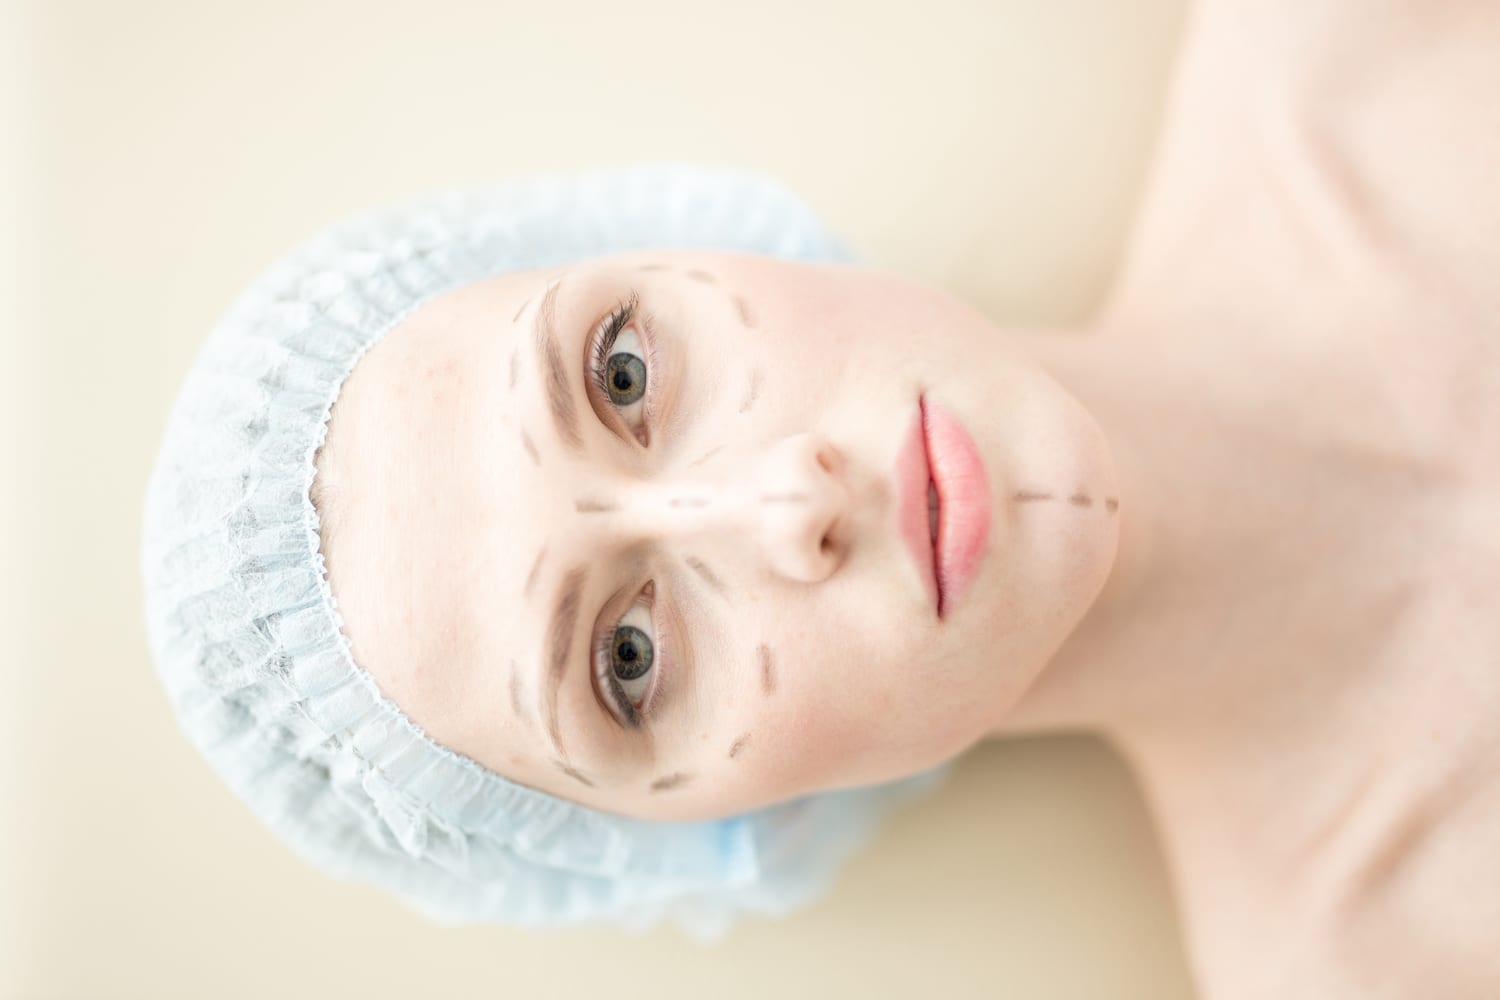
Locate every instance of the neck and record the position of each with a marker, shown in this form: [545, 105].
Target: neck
[1256, 584]
[1238, 559]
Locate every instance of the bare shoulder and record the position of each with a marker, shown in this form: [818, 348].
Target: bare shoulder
[1308, 144]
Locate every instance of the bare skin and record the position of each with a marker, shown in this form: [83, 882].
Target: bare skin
[1312, 698]
[1287, 415]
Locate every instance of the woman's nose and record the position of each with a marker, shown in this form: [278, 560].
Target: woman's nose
[803, 503]
[787, 504]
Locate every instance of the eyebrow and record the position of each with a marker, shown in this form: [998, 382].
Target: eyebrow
[555, 380]
[559, 646]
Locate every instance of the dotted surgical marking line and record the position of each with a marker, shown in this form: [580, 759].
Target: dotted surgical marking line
[572, 772]
[1078, 499]
[697, 565]
[530, 446]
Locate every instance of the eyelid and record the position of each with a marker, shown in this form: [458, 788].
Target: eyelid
[602, 335]
[613, 699]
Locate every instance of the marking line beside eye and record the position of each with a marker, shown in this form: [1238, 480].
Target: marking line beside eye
[739, 744]
[698, 566]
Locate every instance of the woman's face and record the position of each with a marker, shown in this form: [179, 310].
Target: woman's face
[685, 590]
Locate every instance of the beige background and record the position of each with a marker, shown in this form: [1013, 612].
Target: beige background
[160, 154]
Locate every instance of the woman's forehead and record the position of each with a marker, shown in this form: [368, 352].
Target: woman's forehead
[424, 444]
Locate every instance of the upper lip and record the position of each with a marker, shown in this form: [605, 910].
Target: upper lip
[912, 474]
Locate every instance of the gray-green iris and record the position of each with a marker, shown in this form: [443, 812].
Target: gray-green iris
[625, 375]
[631, 653]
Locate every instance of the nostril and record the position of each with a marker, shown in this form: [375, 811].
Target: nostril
[826, 545]
[824, 460]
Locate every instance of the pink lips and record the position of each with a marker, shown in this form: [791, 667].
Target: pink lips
[938, 449]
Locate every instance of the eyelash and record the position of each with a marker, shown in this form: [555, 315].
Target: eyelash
[603, 647]
[605, 335]
[606, 332]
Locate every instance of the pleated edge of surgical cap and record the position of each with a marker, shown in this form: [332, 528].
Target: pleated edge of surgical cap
[246, 635]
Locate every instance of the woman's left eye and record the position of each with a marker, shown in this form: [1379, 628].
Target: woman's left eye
[620, 363]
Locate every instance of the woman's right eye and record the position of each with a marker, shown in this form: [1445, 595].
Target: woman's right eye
[625, 663]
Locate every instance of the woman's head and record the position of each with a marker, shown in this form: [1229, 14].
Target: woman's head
[722, 511]
[485, 510]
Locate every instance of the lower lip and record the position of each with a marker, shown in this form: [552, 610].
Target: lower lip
[963, 503]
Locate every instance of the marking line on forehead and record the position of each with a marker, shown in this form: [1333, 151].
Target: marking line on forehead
[593, 505]
[536, 564]
[554, 375]
[560, 646]
[793, 497]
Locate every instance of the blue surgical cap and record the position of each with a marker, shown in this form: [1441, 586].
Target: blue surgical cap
[247, 638]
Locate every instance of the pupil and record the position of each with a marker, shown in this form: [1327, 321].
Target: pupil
[622, 381]
[627, 651]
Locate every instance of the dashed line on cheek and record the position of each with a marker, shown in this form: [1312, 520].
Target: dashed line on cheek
[530, 446]
[767, 668]
[738, 745]
[710, 453]
[746, 316]
[515, 368]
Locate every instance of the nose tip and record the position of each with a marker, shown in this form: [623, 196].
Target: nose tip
[805, 502]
